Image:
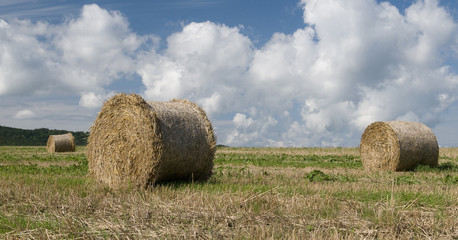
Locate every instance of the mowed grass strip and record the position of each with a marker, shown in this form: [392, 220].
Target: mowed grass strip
[26, 155]
[266, 195]
[287, 160]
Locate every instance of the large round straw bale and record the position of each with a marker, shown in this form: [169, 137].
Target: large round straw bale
[398, 146]
[61, 143]
[139, 143]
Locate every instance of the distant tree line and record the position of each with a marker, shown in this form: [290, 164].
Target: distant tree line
[38, 137]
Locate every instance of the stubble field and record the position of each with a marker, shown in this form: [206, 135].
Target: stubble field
[254, 193]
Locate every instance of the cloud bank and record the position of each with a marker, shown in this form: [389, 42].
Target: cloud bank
[353, 62]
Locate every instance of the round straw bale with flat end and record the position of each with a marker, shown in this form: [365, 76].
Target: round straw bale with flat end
[398, 146]
[61, 143]
[139, 143]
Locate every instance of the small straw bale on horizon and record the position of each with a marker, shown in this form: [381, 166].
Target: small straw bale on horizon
[61, 143]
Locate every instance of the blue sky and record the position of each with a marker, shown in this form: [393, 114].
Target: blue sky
[260, 19]
[166, 17]
[268, 73]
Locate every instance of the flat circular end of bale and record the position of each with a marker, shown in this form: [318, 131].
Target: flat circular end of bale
[189, 142]
[379, 149]
[211, 138]
[50, 145]
[117, 151]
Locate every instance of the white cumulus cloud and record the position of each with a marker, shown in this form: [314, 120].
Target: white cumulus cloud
[205, 62]
[86, 53]
[92, 100]
[24, 114]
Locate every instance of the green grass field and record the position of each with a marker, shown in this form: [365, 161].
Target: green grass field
[254, 193]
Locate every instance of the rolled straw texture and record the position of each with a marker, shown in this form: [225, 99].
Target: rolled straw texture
[398, 146]
[139, 143]
[61, 143]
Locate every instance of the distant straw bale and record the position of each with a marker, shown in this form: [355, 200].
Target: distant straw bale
[398, 146]
[61, 143]
[139, 143]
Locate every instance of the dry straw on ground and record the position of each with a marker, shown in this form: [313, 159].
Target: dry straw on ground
[141, 143]
[61, 143]
[398, 146]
